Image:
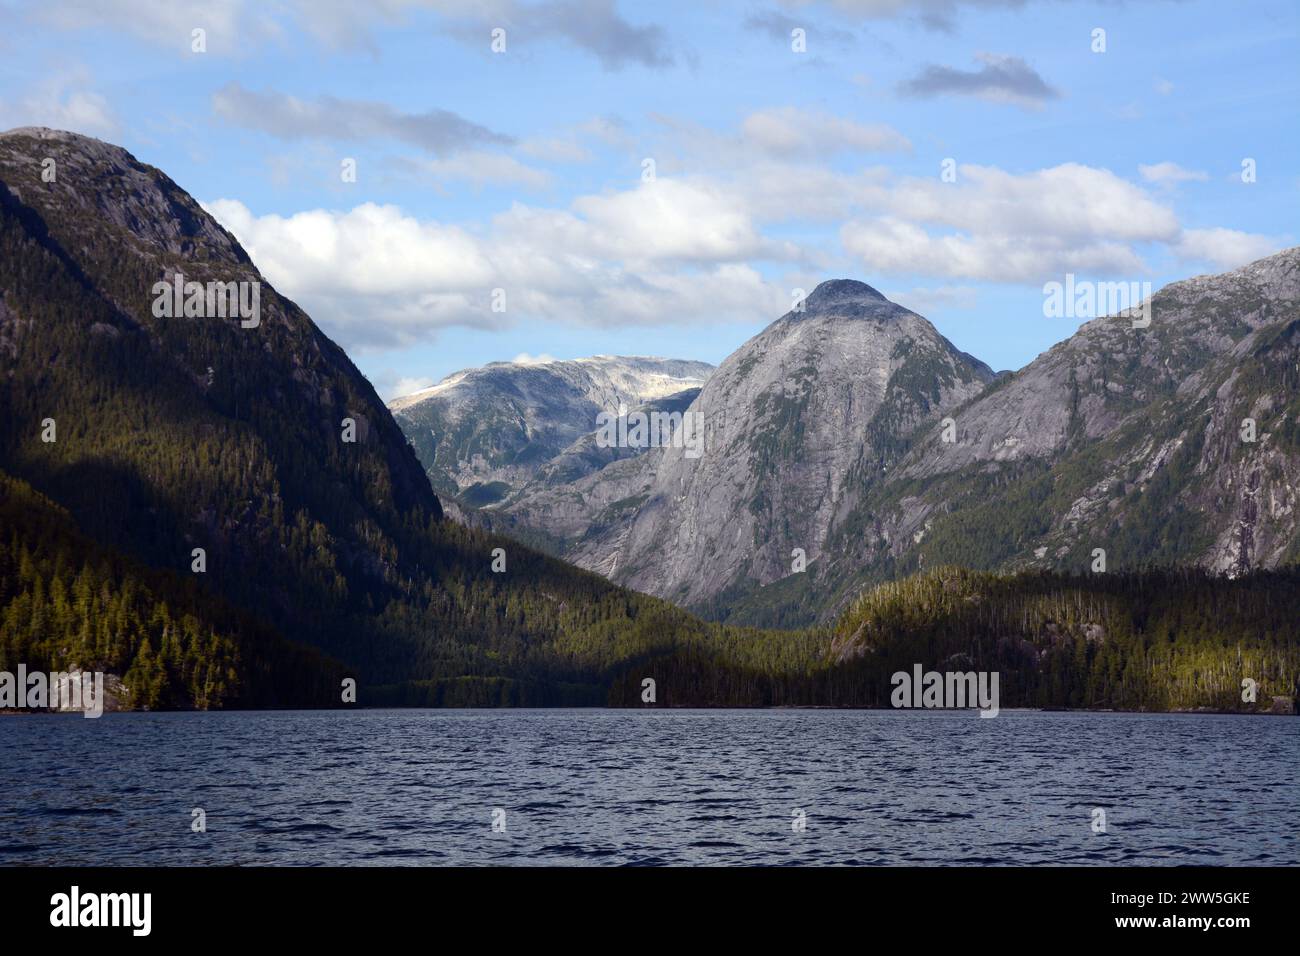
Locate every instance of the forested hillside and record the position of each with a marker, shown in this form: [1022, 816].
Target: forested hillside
[66, 603]
[1149, 640]
[160, 435]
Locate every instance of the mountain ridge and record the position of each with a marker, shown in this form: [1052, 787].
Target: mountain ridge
[483, 433]
[1100, 392]
[143, 443]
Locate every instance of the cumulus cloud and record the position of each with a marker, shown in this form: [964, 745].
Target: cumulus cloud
[371, 248]
[330, 118]
[1001, 79]
[375, 275]
[890, 245]
[1005, 227]
[665, 220]
[1071, 201]
[685, 249]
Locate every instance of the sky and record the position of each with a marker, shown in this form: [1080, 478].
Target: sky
[445, 183]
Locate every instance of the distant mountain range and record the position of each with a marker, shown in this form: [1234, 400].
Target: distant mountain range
[484, 433]
[825, 445]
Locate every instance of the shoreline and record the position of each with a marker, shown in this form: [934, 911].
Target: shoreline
[1195, 711]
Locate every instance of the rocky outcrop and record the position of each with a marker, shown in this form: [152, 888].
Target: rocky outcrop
[819, 402]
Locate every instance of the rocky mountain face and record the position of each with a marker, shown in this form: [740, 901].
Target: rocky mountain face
[1119, 448]
[815, 406]
[484, 433]
[854, 432]
[1173, 443]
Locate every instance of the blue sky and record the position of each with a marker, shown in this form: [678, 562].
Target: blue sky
[525, 170]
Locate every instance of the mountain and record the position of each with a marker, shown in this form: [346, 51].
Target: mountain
[1178, 443]
[826, 433]
[236, 462]
[483, 433]
[795, 422]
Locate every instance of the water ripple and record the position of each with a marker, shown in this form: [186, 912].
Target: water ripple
[649, 788]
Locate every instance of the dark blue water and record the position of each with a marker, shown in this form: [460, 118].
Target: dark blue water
[650, 787]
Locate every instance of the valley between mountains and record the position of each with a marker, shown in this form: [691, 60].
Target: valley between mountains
[475, 544]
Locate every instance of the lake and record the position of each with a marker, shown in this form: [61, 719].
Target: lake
[649, 787]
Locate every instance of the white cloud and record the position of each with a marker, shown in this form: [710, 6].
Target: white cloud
[671, 219]
[371, 249]
[1069, 201]
[1227, 248]
[523, 358]
[683, 248]
[891, 246]
[406, 386]
[664, 252]
[1168, 174]
[1006, 227]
